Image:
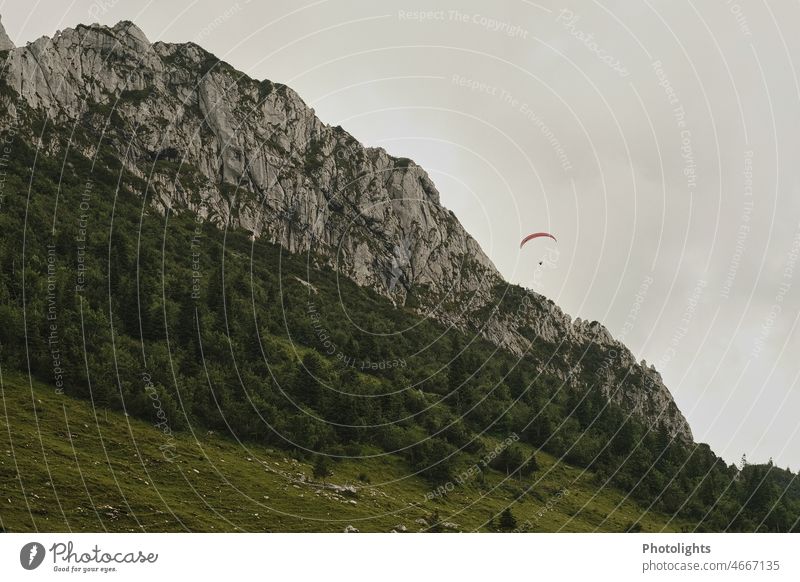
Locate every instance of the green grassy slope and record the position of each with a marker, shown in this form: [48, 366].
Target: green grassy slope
[65, 466]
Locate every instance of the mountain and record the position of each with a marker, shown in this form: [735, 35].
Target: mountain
[240, 153]
[193, 267]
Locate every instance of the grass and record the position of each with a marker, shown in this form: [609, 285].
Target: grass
[65, 466]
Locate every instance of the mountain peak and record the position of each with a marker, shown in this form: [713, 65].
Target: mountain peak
[5, 43]
[128, 28]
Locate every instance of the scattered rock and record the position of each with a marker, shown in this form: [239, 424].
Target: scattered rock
[347, 490]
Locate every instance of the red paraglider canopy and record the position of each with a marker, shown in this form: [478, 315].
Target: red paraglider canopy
[536, 235]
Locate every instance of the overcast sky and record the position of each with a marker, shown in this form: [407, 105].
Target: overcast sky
[659, 142]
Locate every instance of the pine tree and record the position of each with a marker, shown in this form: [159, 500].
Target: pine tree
[507, 520]
[457, 372]
[321, 468]
[531, 466]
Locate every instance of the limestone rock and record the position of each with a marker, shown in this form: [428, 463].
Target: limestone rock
[5, 43]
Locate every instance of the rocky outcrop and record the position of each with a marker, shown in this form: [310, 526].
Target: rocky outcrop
[5, 43]
[209, 139]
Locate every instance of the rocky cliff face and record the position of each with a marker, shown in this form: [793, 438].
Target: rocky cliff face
[5, 42]
[208, 139]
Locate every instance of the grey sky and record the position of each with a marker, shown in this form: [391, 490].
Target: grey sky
[626, 130]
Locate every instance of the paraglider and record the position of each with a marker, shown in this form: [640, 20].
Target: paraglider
[536, 235]
[551, 253]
